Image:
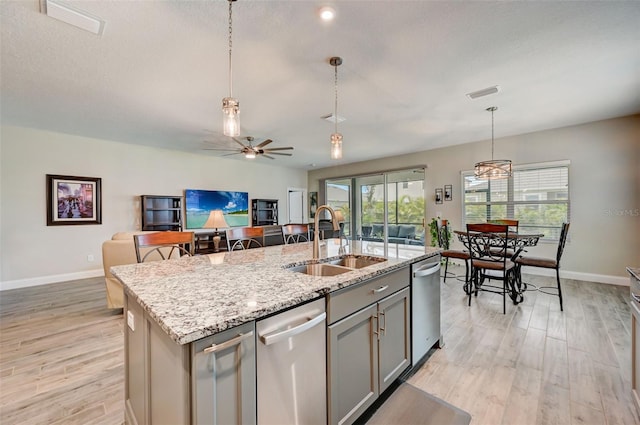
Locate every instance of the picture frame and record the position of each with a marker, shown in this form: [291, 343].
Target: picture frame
[73, 200]
[448, 192]
[438, 195]
[313, 204]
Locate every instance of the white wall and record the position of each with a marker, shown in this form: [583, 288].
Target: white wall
[32, 252]
[604, 188]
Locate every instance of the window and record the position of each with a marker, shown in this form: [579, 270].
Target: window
[537, 195]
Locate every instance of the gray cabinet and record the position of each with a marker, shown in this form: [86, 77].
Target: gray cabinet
[224, 377]
[367, 349]
[210, 381]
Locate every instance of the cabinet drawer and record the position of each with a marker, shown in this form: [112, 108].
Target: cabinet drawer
[345, 301]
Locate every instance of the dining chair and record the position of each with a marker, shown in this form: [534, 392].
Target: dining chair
[546, 263]
[163, 245]
[487, 246]
[443, 232]
[294, 233]
[513, 229]
[245, 238]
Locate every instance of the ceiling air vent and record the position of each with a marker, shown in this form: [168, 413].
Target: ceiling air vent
[332, 118]
[483, 92]
[72, 16]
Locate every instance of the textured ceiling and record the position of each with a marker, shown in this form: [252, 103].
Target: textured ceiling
[159, 71]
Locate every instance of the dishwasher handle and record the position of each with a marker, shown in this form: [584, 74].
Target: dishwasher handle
[427, 270]
[277, 336]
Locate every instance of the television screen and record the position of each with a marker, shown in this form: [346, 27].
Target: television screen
[199, 203]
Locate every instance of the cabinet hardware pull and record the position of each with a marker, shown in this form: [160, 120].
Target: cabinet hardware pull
[635, 297]
[380, 325]
[380, 289]
[233, 341]
[277, 336]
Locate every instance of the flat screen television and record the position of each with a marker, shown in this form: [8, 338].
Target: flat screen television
[199, 203]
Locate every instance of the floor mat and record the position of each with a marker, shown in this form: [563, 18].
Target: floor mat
[409, 405]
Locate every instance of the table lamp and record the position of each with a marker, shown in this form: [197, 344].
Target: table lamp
[215, 221]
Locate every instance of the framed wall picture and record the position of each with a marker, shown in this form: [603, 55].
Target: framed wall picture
[313, 204]
[73, 200]
[448, 192]
[439, 195]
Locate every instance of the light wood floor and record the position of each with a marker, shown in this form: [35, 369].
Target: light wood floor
[61, 356]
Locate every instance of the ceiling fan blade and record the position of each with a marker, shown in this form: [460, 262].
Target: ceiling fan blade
[279, 149]
[265, 143]
[277, 153]
[266, 156]
[239, 142]
[229, 154]
[220, 149]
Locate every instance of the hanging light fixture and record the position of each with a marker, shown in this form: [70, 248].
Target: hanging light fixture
[230, 105]
[336, 138]
[496, 168]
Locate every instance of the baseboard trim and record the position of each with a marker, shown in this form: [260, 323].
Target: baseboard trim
[568, 274]
[45, 280]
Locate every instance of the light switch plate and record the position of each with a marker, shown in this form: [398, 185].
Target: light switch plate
[131, 321]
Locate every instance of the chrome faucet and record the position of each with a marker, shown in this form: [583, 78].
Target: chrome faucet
[316, 230]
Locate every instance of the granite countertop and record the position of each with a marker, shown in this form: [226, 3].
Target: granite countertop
[193, 297]
[634, 271]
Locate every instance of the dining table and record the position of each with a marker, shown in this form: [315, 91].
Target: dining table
[516, 242]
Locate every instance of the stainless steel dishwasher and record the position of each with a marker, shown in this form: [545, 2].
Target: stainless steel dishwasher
[291, 366]
[425, 307]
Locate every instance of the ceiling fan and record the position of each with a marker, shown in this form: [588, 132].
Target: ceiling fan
[250, 151]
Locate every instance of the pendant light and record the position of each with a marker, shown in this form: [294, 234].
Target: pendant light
[230, 105]
[496, 168]
[336, 138]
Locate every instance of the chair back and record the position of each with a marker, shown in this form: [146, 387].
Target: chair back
[442, 230]
[294, 233]
[563, 239]
[164, 244]
[513, 224]
[488, 242]
[245, 238]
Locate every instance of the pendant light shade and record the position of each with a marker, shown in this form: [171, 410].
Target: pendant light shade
[495, 168]
[230, 105]
[336, 138]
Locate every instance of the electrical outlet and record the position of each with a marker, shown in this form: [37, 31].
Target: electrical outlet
[90, 257]
[131, 321]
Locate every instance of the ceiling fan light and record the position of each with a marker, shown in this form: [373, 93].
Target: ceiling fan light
[231, 116]
[250, 155]
[336, 146]
[493, 170]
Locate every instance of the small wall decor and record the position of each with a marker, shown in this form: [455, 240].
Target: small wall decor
[448, 192]
[438, 195]
[73, 200]
[313, 203]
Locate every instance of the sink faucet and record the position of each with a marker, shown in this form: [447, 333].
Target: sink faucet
[316, 230]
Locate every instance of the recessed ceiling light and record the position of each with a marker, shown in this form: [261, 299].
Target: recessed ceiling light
[483, 92]
[327, 13]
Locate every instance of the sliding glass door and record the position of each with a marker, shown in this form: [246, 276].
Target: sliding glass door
[381, 207]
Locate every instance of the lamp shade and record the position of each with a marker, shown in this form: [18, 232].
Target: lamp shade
[215, 221]
[339, 216]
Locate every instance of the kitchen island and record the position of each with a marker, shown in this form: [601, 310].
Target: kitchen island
[174, 308]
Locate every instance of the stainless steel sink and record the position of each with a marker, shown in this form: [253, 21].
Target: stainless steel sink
[320, 269]
[338, 266]
[357, 261]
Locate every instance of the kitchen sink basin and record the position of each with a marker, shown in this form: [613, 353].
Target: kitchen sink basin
[356, 261]
[320, 269]
[338, 266]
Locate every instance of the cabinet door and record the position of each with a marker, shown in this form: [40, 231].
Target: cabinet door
[394, 346]
[224, 377]
[353, 365]
[635, 354]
